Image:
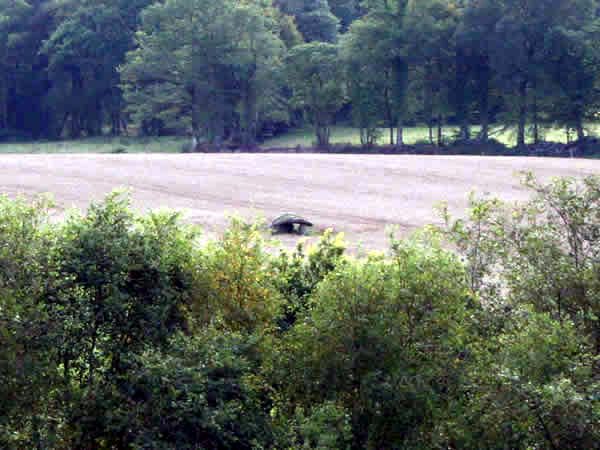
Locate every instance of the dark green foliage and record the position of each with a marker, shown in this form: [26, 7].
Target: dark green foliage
[194, 393]
[314, 75]
[123, 279]
[83, 297]
[380, 340]
[216, 70]
[119, 331]
[539, 264]
[27, 357]
[298, 275]
[199, 67]
[346, 10]
[84, 53]
[313, 17]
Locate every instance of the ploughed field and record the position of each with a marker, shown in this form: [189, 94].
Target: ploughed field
[361, 195]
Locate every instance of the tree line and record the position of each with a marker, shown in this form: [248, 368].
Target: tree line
[239, 70]
[120, 331]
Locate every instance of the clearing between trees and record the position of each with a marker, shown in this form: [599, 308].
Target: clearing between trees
[358, 195]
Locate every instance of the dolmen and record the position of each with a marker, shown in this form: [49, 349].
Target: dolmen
[290, 224]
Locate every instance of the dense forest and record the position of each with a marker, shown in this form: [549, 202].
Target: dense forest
[120, 331]
[239, 70]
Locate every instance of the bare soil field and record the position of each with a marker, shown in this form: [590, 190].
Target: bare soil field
[358, 195]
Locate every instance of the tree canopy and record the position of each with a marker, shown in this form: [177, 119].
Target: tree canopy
[220, 71]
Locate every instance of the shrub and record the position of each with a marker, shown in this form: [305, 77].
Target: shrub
[298, 275]
[194, 393]
[28, 366]
[235, 287]
[123, 282]
[530, 386]
[544, 253]
[380, 340]
[120, 331]
[538, 264]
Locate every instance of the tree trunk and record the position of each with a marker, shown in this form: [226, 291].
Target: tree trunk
[323, 137]
[428, 103]
[94, 120]
[116, 123]
[484, 105]
[195, 114]
[400, 134]
[440, 131]
[535, 118]
[430, 126]
[484, 134]
[400, 83]
[461, 107]
[249, 115]
[217, 125]
[389, 115]
[76, 90]
[3, 103]
[322, 132]
[522, 114]
[115, 114]
[465, 131]
[216, 106]
[75, 132]
[579, 128]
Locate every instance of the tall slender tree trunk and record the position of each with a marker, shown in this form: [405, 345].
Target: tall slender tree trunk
[75, 131]
[535, 118]
[249, 128]
[94, 120]
[400, 83]
[579, 127]
[3, 102]
[322, 132]
[484, 103]
[195, 114]
[249, 113]
[440, 131]
[389, 115]
[465, 131]
[76, 118]
[400, 133]
[428, 103]
[430, 126]
[216, 108]
[522, 114]
[460, 101]
[116, 123]
[115, 112]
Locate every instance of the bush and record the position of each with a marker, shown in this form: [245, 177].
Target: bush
[121, 331]
[380, 340]
[194, 393]
[479, 147]
[298, 275]
[531, 387]
[236, 287]
[539, 264]
[28, 365]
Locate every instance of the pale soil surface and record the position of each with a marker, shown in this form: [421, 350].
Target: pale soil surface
[359, 195]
